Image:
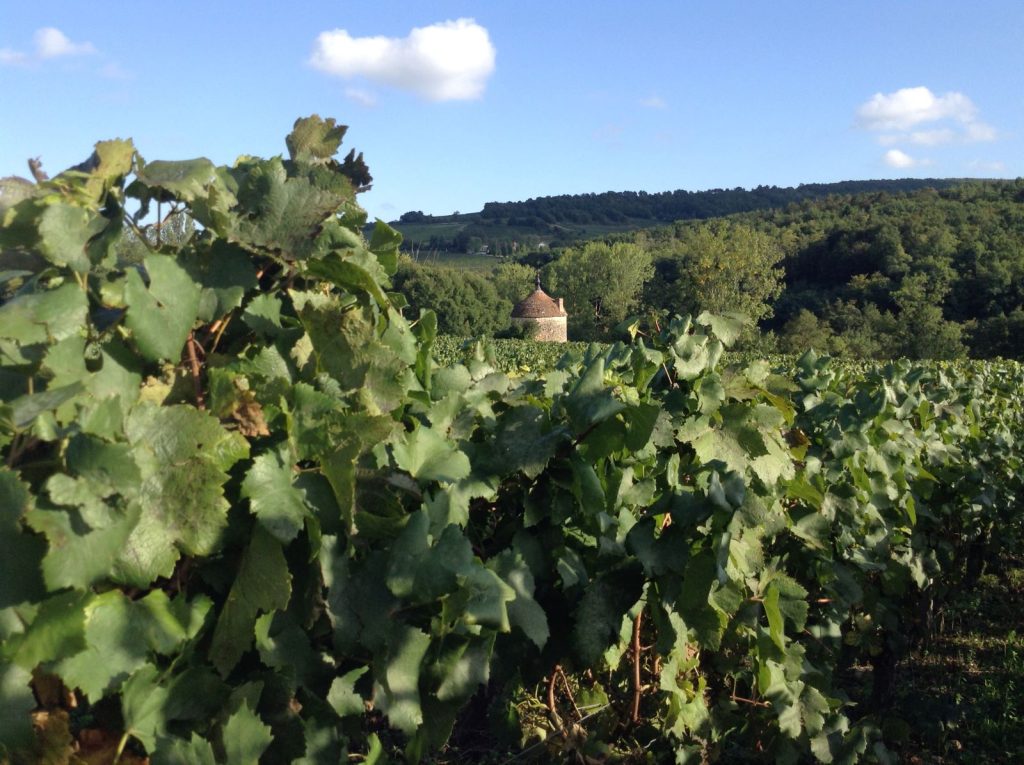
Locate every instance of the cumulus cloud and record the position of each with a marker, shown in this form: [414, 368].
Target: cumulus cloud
[918, 117]
[447, 61]
[52, 43]
[48, 42]
[900, 159]
[949, 118]
[908, 107]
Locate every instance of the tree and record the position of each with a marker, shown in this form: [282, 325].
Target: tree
[717, 266]
[601, 284]
[513, 281]
[803, 332]
[925, 334]
[466, 303]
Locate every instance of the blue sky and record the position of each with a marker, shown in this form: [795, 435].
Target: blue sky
[459, 103]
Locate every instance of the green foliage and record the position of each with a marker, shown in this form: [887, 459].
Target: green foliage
[600, 283]
[513, 281]
[466, 303]
[718, 266]
[279, 531]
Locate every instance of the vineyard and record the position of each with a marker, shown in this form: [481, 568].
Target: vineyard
[249, 512]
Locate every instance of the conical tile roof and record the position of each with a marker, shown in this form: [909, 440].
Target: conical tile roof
[537, 305]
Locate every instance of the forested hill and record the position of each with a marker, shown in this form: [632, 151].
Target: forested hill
[569, 217]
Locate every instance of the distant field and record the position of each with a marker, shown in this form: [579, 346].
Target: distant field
[458, 260]
[421, 232]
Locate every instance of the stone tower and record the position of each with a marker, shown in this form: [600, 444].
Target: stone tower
[543, 317]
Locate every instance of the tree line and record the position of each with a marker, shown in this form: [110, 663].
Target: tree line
[562, 219]
[933, 273]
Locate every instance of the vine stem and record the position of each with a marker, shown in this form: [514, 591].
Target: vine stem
[194, 364]
[752, 702]
[568, 692]
[637, 686]
[551, 694]
[120, 748]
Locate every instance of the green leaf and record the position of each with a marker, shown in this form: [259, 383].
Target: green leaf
[776, 626]
[590, 401]
[183, 455]
[524, 612]
[464, 668]
[16, 703]
[57, 630]
[277, 213]
[727, 327]
[346, 346]
[76, 557]
[246, 737]
[707, 623]
[120, 634]
[176, 751]
[605, 602]
[26, 408]
[400, 699]
[429, 456]
[273, 498]
[225, 271]
[161, 315]
[348, 276]
[45, 317]
[343, 696]
[183, 179]
[20, 554]
[314, 140]
[263, 584]
[64, 231]
[143, 702]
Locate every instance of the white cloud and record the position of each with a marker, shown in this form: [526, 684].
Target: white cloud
[908, 107]
[979, 131]
[8, 56]
[653, 102]
[447, 61]
[49, 43]
[52, 43]
[897, 158]
[917, 116]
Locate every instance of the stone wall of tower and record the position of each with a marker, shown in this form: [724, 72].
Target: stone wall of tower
[553, 329]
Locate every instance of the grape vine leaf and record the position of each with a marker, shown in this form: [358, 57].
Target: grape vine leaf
[598, 616]
[16, 703]
[343, 697]
[177, 751]
[183, 455]
[20, 554]
[263, 584]
[429, 456]
[161, 315]
[143, 702]
[314, 140]
[64, 232]
[400, 696]
[246, 737]
[273, 497]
